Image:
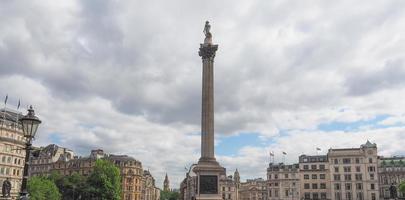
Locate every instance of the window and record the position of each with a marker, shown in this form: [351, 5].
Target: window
[349, 196]
[357, 168]
[314, 186]
[370, 160]
[307, 195]
[306, 186]
[359, 186]
[322, 186]
[315, 196]
[372, 186]
[346, 160]
[336, 161]
[275, 184]
[286, 193]
[338, 196]
[306, 167]
[371, 169]
[321, 176]
[276, 193]
[360, 196]
[323, 195]
[357, 160]
[359, 177]
[285, 175]
[336, 169]
[373, 196]
[348, 177]
[322, 167]
[306, 176]
[269, 177]
[372, 176]
[336, 177]
[314, 176]
[275, 176]
[347, 169]
[348, 186]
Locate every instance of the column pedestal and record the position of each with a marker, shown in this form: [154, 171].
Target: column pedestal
[208, 174]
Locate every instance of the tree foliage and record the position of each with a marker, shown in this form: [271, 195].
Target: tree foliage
[401, 187]
[169, 195]
[71, 187]
[42, 188]
[104, 182]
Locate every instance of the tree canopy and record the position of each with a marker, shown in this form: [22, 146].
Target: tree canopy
[402, 187]
[169, 195]
[42, 188]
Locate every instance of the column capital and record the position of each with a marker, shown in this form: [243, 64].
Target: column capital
[207, 51]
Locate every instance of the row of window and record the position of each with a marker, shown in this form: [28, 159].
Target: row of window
[348, 177]
[315, 186]
[314, 167]
[315, 176]
[10, 160]
[315, 195]
[351, 160]
[348, 186]
[10, 171]
[7, 148]
[269, 176]
[349, 196]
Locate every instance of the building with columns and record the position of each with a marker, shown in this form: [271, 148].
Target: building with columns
[12, 153]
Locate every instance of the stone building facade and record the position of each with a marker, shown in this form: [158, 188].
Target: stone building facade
[228, 187]
[12, 153]
[42, 159]
[391, 172]
[253, 189]
[149, 189]
[354, 173]
[314, 177]
[136, 183]
[283, 181]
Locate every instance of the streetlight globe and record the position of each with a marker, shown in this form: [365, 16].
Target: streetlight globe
[30, 124]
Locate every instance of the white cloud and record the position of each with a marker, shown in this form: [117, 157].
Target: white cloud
[125, 76]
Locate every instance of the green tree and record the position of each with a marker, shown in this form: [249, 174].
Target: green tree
[41, 188]
[168, 195]
[401, 187]
[72, 187]
[104, 183]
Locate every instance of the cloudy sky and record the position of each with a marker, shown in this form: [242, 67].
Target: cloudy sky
[125, 76]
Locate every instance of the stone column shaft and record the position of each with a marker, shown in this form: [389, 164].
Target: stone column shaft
[207, 52]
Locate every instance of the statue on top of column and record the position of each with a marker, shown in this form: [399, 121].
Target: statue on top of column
[208, 35]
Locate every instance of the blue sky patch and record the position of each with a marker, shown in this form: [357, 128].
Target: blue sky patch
[230, 145]
[352, 126]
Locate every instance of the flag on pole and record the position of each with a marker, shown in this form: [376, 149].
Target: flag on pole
[19, 103]
[5, 100]
[284, 153]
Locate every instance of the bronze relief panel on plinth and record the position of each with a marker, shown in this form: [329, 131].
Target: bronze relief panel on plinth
[208, 184]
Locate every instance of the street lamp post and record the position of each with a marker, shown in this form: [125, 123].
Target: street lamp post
[30, 124]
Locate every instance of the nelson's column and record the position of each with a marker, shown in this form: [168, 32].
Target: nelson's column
[208, 169]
